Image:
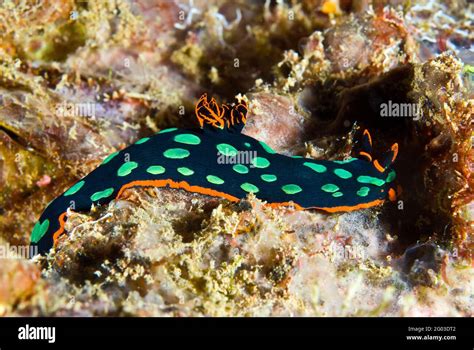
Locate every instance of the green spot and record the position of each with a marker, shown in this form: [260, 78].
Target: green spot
[345, 161]
[330, 188]
[109, 158]
[102, 194]
[343, 174]
[39, 230]
[227, 150]
[296, 157]
[291, 189]
[248, 187]
[337, 194]
[240, 168]
[143, 140]
[127, 168]
[185, 171]
[267, 148]
[155, 170]
[316, 167]
[248, 145]
[176, 153]
[214, 179]
[188, 139]
[74, 188]
[260, 162]
[268, 177]
[370, 180]
[391, 176]
[167, 130]
[363, 191]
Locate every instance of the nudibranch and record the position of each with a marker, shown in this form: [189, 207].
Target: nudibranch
[218, 160]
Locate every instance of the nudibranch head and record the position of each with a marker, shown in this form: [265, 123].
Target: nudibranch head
[380, 174]
[351, 184]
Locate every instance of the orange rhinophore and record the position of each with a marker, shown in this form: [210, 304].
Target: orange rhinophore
[209, 113]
